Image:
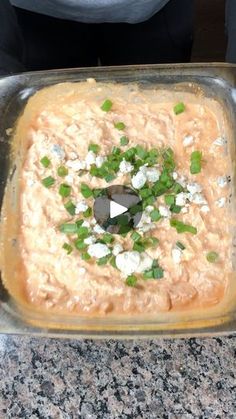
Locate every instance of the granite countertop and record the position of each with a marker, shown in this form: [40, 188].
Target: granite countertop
[51, 378]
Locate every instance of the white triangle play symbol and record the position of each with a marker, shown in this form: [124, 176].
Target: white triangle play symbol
[116, 209]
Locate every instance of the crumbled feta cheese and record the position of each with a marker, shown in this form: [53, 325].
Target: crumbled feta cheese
[188, 140]
[181, 199]
[81, 207]
[152, 174]
[149, 209]
[164, 211]
[176, 254]
[82, 271]
[220, 141]
[69, 179]
[98, 250]
[138, 180]
[93, 221]
[72, 155]
[90, 240]
[194, 187]
[86, 224]
[117, 249]
[90, 159]
[125, 166]
[145, 263]
[197, 199]
[222, 181]
[184, 210]
[71, 130]
[97, 229]
[99, 161]
[205, 209]
[30, 182]
[58, 151]
[76, 165]
[128, 262]
[175, 175]
[221, 202]
[182, 181]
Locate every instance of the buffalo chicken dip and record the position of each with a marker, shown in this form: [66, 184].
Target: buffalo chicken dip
[171, 149]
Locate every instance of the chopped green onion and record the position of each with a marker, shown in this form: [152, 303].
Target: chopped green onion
[107, 105]
[48, 181]
[80, 245]
[148, 274]
[135, 209]
[139, 246]
[158, 273]
[68, 228]
[119, 125]
[67, 247]
[94, 147]
[145, 192]
[182, 228]
[154, 241]
[135, 236]
[97, 192]
[129, 154]
[155, 215]
[212, 257]
[104, 260]
[149, 201]
[131, 281]
[179, 108]
[83, 232]
[113, 262]
[86, 190]
[177, 188]
[85, 256]
[116, 151]
[175, 208]
[70, 207]
[45, 161]
[107, 238]
[141, 152]
[180, 245]
[196, 162]
[109, 178]
[79, 223]
[124, 141]
[88, 212]
[169, 199]
[64, 190]
[62, 171]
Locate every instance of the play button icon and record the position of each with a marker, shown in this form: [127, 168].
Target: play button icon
[118, 209]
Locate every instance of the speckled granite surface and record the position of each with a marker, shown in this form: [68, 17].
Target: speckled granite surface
[48, 378]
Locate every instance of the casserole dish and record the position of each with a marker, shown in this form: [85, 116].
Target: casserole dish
[215, 82]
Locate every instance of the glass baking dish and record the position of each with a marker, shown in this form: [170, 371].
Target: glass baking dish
[216, 81]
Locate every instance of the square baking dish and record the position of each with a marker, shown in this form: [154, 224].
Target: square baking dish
[216, 81]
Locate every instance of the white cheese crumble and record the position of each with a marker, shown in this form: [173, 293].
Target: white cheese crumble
[125, 166]
[145, 263]
[188, 140]
[58, 151]
[81, 207]
[82, 271]
[99, 161]
[181, 199]
[205, 209]
[175, 175]
[76, 165]
[220, 141]
[90, 159]
[86, 224]
[221, 202]
[71, 130]
[222, 181]
[128, 262]
[197, 199]
[152, 174]
[164, 211]
[138, 180]
[69, 179]
[117, 249]
[97, 229]
[176, 255]
[90, 240]
[98, 250]
[194, 187]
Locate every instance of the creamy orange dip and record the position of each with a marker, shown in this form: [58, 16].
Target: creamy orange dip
[61, 123]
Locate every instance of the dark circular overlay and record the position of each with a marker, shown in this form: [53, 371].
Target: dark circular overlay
[122, 195]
